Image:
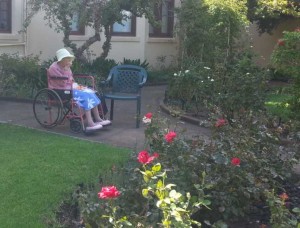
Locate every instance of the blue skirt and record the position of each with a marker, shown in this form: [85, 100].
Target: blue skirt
[86, 98]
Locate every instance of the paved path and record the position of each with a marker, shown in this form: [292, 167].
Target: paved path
[122, 133]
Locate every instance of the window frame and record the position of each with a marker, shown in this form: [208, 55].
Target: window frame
[131, 33]
[158, 16]
[81, 29]
[9, 30]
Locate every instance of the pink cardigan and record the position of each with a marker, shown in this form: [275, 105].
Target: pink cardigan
[54, 73]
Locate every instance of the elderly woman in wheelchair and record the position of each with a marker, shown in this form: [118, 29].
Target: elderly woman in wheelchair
[84, 99]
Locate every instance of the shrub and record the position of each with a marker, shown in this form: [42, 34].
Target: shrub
[286, 60]
[20, 76]
[233, 169]
[234, 88]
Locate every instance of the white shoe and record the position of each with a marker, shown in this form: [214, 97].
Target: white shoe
[95, 127]
[104, 122]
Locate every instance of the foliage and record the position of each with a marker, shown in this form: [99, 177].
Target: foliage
[286, 55]
[218, 24]
[239, 162]
[277, 105]
[98, 15]
[281, 216]
[136, 62]
[20, 76]
[268, 13]
[235, 88]
[286, 60]
[233, 187]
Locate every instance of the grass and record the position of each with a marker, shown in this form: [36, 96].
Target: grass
[277, 104]
[39, 170]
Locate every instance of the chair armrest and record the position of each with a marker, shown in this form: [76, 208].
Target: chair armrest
[143, 82]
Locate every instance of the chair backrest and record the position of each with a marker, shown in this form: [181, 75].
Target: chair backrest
[127, 78]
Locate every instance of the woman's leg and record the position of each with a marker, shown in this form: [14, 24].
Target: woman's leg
[98, 118]
[89, 118]
[96, 114]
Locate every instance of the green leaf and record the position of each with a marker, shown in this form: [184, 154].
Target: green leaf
[156, 168]
[145, 192]
[159, 184]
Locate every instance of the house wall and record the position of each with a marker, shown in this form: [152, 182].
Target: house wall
[42, 41]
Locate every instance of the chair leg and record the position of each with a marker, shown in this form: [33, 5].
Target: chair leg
[138, 113]
[112, 109]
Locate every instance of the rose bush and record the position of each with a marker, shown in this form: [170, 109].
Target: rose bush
[286, 60]
[234, 167]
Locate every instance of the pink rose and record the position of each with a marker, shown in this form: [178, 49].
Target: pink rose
[220, 123]
[280, 42]
[284, 196]
[235, 161]
[170, 136]
[148, 115]
[108, 192]
[145, 158]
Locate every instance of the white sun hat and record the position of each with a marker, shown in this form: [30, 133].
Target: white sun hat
[63, 53]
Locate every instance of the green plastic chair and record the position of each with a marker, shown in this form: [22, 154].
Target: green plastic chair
[124, 82]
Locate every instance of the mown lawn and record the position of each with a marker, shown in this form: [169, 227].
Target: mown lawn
[39, 170]
[277, 103]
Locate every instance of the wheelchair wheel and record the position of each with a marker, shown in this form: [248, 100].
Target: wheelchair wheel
[75, 125]
[48, 108]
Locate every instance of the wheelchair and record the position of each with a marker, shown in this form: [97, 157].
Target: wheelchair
[52, 107]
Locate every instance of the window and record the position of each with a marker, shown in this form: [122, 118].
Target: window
[165, 15]
[5, 16]
[127, 27]
[76, 28]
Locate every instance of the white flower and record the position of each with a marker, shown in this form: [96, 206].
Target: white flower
[247, 73]
[212, 80]
[201, 81]
[187, 71]
[146, 120]
[175, 74]
[208, 77]
[207, 68]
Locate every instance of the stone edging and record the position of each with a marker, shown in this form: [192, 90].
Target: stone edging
[185, 118]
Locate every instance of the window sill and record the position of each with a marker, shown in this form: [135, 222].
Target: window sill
[125, 39]
[161, 40]
[10, 36]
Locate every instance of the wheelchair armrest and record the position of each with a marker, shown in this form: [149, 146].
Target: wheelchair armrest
[87, 77]
[58, 78]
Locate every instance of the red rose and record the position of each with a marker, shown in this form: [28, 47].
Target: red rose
[170, 136]
[145, 158]
[280, 42]
[220, 123]
[235, 161]
[148, 115]
[108, 192]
